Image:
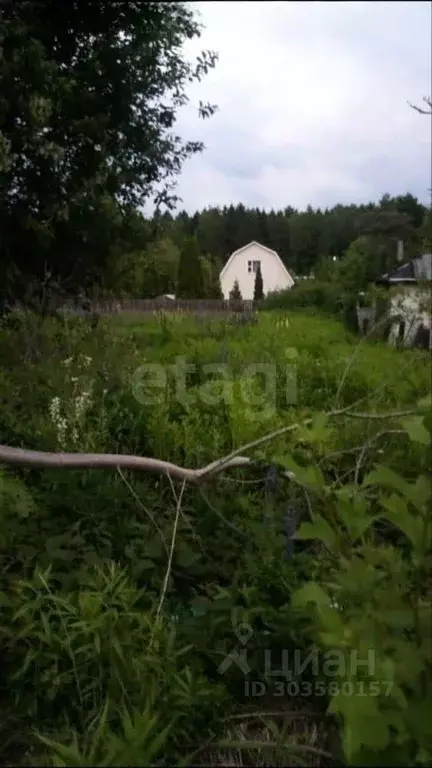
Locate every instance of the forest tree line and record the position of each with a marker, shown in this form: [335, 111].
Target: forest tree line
[86, 139]
[185, 252]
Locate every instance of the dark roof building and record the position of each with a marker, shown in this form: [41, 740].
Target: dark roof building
[412, 272]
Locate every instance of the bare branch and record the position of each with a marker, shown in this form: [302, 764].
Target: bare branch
[368, 444]
[390, 415]
[147, 511]
[173, 540]
[225, 461]
[29, 458]
[428, 101]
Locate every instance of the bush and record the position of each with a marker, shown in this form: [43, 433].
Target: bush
[307, 294]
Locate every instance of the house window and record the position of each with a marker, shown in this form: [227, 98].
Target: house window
[253, 266]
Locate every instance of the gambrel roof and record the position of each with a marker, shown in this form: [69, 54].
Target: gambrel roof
[264, 248]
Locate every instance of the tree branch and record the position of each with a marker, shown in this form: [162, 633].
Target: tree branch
[428, 101]
[46, 460]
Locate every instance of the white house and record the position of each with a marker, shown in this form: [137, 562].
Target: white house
[411, 301]
[242, 266]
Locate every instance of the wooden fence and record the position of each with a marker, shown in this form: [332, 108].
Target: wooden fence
[192, 306]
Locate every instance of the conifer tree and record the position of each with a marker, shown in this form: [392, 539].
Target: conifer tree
[258, 287]
[235, 293]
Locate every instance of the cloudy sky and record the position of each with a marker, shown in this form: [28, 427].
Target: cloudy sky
[312, 103]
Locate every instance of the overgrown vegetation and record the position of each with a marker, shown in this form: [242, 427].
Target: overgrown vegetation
[122, 593]
[275, 608]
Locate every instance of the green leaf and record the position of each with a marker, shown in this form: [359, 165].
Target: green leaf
[421, 492]
[385, 477]
[332, 634]
[363, 724]
[14, 496]
[68, 755]
[425, 403]
[318, 432]
[352, 510]
[311, 593]
[310, 477]
[416, 430]
[319, 529]
[399, 514]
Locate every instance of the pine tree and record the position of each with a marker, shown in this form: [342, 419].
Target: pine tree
[190, 281]
[258, 287]
[235, 293]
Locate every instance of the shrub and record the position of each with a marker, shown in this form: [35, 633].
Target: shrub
[235, 293]
[306, 293]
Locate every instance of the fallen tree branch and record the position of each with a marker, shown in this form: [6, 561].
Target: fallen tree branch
[46, 460]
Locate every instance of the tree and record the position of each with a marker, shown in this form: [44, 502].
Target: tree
[406, 205]
[160, 264]
[235, 293]
[190, 281]
[211, 270]
[326, 268]
[258, 287]
[384, 227]
[355, 270]
[89, 97]
[304, 240]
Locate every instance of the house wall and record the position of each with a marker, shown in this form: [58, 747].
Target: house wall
[274, 275]
[413, 304]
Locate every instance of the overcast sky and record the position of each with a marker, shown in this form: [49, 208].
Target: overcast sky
[312, 103]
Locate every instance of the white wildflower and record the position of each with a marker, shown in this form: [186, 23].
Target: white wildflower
[82, 402]
[61, 428]
[54, 408]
